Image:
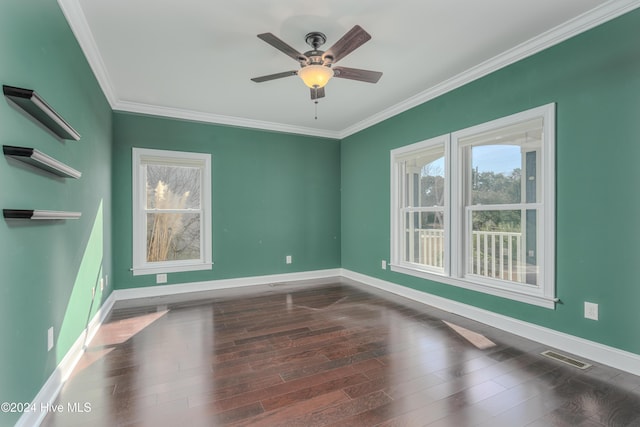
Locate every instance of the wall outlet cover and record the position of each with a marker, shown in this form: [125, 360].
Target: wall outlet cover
[50, 339]
[591, 310]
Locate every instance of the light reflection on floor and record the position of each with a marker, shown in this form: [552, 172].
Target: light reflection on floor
[113, 333]
[478, 340]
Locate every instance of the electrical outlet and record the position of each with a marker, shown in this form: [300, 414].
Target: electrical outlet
[288, 259]
[50, 339]
[591, 311]
[384, 265]
[161, 278]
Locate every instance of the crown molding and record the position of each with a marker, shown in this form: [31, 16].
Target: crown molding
[596, 16]
[79, 26]
[78, 22]
[605, 12]
[197, 116]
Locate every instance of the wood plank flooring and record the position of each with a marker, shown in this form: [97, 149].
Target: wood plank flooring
[332, 354]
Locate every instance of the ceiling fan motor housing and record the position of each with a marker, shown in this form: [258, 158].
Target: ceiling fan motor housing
[316, 56]
[315, 39]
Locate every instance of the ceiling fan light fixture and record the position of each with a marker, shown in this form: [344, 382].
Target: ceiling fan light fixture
[315, 76]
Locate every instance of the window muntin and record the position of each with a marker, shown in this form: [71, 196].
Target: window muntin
[498, 215]
[171, 211]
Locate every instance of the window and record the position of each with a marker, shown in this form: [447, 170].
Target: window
[421, 212]
[171, 211]
[485, 222]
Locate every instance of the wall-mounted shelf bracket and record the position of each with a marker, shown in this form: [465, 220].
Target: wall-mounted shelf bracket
[33, 104]
[39, 159]
[38, 214]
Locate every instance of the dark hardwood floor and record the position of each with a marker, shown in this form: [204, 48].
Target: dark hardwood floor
[333, 354]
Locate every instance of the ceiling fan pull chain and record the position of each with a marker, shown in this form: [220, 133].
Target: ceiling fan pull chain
[316, 101]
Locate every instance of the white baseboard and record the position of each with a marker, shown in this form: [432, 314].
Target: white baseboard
[49, 392]
[212, 285]
[606, 355]
[596, 352]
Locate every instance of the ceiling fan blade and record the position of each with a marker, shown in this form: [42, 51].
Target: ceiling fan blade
[353, 39]
[274, 76]
[357, 74]
[317, 93]
[282, 46]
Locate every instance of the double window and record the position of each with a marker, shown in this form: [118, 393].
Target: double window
[171, 211]
[475, 208]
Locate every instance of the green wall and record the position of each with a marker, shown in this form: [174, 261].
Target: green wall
[48, 269]
[273, 195]
[325, 202]
[595, 80]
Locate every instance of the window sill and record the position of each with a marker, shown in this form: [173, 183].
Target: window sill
[140, 271]
[515, 295]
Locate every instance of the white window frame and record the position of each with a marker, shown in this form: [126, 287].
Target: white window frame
[142, 156]
[397, 211]
[542, 294]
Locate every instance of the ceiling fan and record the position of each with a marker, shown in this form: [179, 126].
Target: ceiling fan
[316, 66]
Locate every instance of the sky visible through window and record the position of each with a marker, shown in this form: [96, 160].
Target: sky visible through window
[500, 159]
[496, 158]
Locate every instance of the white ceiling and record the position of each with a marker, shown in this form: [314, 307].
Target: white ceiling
[193, 59]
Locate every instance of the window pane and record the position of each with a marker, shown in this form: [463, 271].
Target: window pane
[424, 180]
[424, 238]
[496, 174]
[503, 245]
[173, 237]
[172, 187]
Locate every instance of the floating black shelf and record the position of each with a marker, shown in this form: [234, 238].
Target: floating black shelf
[33, 104]
[39, 159]
[38, 214]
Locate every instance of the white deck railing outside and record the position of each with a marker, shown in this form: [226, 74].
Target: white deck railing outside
[494, 253]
